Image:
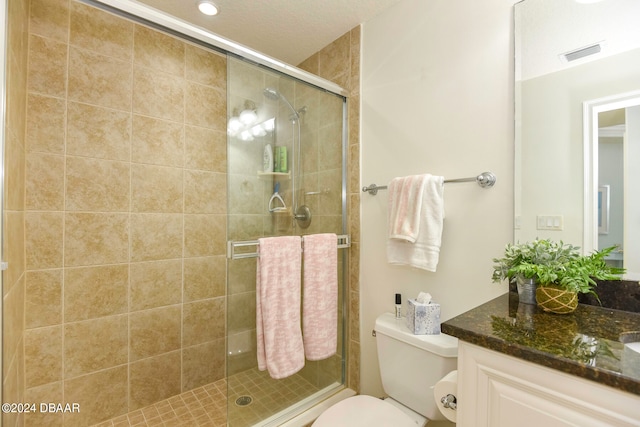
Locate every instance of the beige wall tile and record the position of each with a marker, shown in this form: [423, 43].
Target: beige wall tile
[43, 355]
[156, 189]
[98, 31]
[45, 182]
[154, 379]
[14, 183]
[203, 364]
[43, 243]
[205, 149]
[43, 298]
[156, 236]
[155, 284]
[153, 49]
[330, 151]
[96, 185]
[91, 292]
[153, 332]
[204, 277]
[203, 321]
[247, 194]
[99, 238]
[157, 142]
[12, 336]
[205, 67]
[98, 132]
[47, 66]
[99, 80]
[239, 305]
[245, 227]
[158, 94]
[203, 235]
[101, 395]
[93, 345]
[14, 248]
[242, 276]
[205, 106]
[205, 192]
[45, 124]
[51, 392]
[50, 18]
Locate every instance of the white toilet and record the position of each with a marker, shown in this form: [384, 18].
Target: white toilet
[410, 365]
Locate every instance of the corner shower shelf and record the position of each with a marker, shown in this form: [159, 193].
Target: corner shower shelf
[267, 175]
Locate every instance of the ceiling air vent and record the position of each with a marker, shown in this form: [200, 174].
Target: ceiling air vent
[582, 52]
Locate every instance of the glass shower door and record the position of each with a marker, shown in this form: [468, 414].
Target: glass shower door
[285, 155]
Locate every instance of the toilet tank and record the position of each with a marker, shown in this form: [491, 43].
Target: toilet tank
[410, 365]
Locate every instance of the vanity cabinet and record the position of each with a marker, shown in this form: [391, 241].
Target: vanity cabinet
[498, 390]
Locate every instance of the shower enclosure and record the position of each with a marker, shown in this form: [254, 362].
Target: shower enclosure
[126, 190]
[309, 186]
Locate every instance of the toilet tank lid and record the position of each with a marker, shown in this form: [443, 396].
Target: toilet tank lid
[441, 344]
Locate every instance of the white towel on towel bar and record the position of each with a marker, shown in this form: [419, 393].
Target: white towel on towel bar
[427, 207]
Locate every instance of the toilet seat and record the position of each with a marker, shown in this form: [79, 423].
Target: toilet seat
[361, 411]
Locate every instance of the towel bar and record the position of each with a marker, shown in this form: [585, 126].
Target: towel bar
[344, 241]
[484, 180]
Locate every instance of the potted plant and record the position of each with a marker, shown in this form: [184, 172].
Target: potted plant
[518, 260]
[559, 270]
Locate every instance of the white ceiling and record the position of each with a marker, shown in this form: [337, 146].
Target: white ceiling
[548, 28]
[288, 30]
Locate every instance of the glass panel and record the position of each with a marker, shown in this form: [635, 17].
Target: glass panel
[309, 124]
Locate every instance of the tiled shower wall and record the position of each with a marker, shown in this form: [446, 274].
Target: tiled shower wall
[125, 213]
[13, 279]
[113, 107]
[340, 63]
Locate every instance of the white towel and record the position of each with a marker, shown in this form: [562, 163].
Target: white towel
[279, 336]
[424, 252]
[405, 206]
[320, 302]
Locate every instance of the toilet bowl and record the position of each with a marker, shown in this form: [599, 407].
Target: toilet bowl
[362, 410]
[410, 366]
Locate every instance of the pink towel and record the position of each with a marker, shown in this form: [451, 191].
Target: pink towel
[320, 303]
[405, 207]
[279, 337]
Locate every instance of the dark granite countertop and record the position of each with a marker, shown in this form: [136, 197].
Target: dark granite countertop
[585, 343]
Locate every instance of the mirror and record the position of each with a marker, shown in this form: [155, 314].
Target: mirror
[578, 70]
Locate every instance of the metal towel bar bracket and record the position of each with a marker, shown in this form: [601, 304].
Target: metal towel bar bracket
[484, 180]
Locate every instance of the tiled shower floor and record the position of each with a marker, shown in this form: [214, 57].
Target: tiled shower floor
[207, 405]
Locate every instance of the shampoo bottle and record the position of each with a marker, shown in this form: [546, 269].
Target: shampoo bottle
[267, 160]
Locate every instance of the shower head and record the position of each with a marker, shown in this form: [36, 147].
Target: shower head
[271, 93]
[274, 95]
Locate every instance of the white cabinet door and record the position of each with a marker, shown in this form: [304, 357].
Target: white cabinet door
[495, 390]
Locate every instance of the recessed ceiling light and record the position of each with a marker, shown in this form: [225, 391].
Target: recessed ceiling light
[207, 7]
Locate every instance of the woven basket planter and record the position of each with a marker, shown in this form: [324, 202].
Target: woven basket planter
[556, 300]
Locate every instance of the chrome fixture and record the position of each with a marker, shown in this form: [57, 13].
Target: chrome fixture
[484, 180]
[302, 214]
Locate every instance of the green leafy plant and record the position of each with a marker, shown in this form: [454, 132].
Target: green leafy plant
[555, 264]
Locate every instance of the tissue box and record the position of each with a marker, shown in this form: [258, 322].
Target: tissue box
[423, 319]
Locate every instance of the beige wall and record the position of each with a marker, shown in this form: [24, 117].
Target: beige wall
[125, 213]
[13, 279]
[437, 97]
